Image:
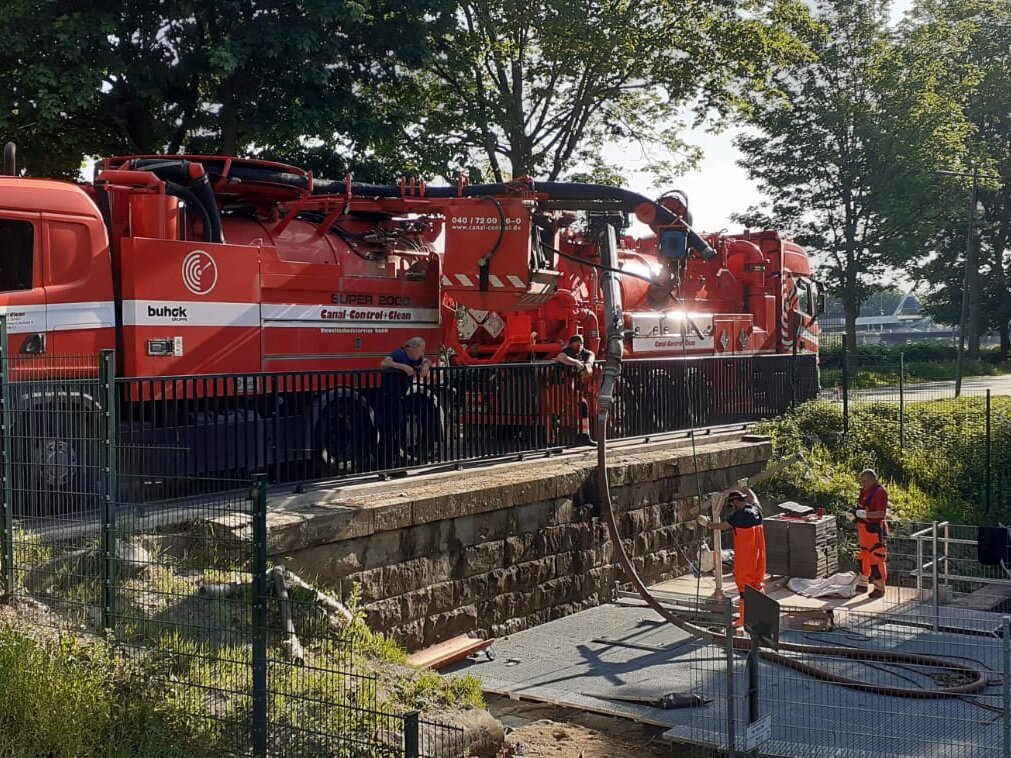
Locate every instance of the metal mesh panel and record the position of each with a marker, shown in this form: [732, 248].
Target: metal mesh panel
[176, 585]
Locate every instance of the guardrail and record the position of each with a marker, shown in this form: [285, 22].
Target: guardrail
[177, 436]
[945, 561]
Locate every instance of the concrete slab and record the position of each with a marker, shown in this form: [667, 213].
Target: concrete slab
[645, 634]
[559, 663]
[567, 663]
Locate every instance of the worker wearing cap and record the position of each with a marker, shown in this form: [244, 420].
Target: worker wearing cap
[872, 533]
[401, 369]
[577, 356]
[749, 542]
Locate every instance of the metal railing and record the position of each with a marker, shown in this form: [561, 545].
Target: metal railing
[947, 608]
[953, 570]
[304, 426]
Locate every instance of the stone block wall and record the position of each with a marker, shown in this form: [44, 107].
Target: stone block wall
[494, 551]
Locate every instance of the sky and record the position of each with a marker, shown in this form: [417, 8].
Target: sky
[719, 187]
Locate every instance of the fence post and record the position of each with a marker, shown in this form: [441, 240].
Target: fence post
[845, 389]
[1006, 710]
[412, 734]
[919, 566]
[107, 380]
[935, 598]
[988, 453]
[902, 402]
[259, 568]
[729, 635]
[6, 416]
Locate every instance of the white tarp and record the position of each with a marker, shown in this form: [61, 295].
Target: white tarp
[837, 585]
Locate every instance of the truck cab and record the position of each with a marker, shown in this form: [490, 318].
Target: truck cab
[55, 270]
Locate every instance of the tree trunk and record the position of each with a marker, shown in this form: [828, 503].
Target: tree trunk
[229, 121]
[520, 158]
[1003, 314]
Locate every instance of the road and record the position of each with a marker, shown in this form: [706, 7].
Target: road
[973, 386]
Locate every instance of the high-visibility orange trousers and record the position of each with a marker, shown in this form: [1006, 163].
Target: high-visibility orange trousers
[873, 555]
[749, 563]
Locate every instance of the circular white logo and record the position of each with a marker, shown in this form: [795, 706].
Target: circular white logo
[200, 272]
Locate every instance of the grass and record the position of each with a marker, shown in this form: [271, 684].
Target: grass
[181, 684]
[65, 697]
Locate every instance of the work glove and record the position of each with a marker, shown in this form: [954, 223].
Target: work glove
[742, 484]
[703, 520]
[851, 516]
[860, 513]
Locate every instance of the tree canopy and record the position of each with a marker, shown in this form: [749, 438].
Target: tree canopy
[229, 76]
[846, 151]
[538, 88]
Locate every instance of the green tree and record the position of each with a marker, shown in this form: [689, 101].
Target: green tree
[841, 147]
[531, 87]
[973, 39]
[228, 76]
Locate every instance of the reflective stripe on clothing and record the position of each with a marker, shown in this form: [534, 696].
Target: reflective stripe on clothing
[873, 553]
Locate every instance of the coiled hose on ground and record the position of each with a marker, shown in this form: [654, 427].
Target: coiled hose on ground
[976, 677]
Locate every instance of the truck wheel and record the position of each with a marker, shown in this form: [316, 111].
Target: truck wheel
[423, 430]
[699, 388]
[58, 464]
[346, 435]
[655, 406]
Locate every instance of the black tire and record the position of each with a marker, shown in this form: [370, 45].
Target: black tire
[57, 460]
[695, 400]
[346, 435]
[657, 403]
[423, 430]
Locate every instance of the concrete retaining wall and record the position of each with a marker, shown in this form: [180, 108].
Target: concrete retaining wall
[498, 550]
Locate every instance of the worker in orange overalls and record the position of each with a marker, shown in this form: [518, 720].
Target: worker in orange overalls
[872, 532]
[749, 542]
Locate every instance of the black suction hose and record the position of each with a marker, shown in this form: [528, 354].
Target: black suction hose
[202, 193]
[10, 167]
[183, 193]
[585, 193]
[976, 678]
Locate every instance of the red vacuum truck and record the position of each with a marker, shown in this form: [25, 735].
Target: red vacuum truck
[204, 266]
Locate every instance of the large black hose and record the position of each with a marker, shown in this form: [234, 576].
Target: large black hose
[10, 167]
[585, 194]
[978, 679]
[611, 374]
[177, 190]
[203, 194]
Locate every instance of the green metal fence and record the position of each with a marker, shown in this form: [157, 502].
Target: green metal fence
[923, 426]
[249, 658]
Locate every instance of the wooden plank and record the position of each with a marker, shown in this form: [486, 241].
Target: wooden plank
[445, 653]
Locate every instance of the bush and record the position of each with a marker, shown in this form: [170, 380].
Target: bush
[939, 473]
[915, 352]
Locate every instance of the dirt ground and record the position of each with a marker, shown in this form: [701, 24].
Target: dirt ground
[538, 731]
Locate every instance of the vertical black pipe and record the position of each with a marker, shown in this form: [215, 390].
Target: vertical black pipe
[989, 452]
[845, 389]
